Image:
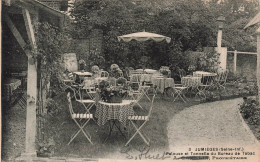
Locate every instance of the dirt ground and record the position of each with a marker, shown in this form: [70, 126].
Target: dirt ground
[13, 131]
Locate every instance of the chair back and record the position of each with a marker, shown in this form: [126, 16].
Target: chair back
[104, 74]
[223, 76]
[185, 82]
[135, 78]
[121, 74]
[151, 107]
[121, 81]
[129, 71]
[76, 93]
[135, 86]
[182, 73]
[70, 104]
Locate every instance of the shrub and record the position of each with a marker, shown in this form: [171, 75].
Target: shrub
[250, 111]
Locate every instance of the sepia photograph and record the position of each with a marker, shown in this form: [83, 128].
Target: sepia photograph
[130, 80]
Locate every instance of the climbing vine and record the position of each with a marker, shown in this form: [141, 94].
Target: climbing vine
[51, 44]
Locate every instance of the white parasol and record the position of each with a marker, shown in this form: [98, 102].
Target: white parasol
[144, 36]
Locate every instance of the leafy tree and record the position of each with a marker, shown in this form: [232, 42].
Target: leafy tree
[191, 25]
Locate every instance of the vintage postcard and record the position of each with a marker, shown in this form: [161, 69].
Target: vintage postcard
[130, 80]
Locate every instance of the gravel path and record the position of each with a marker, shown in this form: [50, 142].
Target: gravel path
[215, 124]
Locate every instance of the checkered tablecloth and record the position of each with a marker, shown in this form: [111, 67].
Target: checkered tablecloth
[119, 111]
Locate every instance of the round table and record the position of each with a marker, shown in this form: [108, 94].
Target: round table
[206, 77]
[114, 111]
[191, 81]
[81, 75]
[141, 77]
[162, 83]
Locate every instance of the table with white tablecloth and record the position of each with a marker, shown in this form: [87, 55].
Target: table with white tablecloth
[141, 77]
[81, 75]
[203, 74]
[191, 81]
[162, 83]
[206, 77]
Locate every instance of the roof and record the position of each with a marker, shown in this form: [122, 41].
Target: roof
[46, 8]
[38, 4]
[254, 21]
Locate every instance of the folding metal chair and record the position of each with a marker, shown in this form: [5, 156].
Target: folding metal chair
[87, 103]
[104, 74]
[129, 72]
[179, 91]
[90, 87]
[182, 73]
[145, 119]
[77, 118]
[137, 79]
[136, 92]
[204, 87]
[145, 88]
[221, 80]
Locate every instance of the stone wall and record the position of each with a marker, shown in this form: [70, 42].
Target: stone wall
[246, 65]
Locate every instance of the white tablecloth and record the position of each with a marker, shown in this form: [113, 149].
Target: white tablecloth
[85, 73]
[203, 74]
[191, 81]
[162, 83]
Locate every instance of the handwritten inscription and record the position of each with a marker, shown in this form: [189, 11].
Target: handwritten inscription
[144, 154]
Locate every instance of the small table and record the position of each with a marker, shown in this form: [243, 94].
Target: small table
[80, 76]
[141, 77]
[191, 81]
[113, 112]
[119, 111]
[206, 77]
[203, 74]
[162, 83]
[100, 79]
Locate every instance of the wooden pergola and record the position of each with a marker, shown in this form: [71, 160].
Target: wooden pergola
[31, 11]
[255, 21]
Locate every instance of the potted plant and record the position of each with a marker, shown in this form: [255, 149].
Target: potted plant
[82, 65]
[165, 71]
[115, 71]
[95, 70]
[112, 94]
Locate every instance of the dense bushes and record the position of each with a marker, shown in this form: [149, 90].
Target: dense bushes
[250, 111]
[191, 25]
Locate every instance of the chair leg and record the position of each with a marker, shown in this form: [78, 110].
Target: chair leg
[179, 94]
[138, 132]
[81, 130]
